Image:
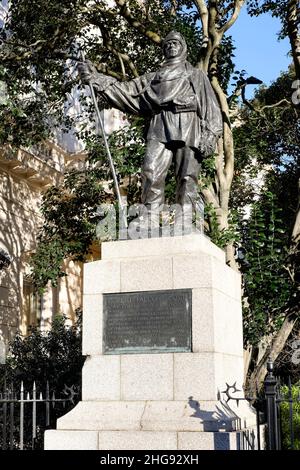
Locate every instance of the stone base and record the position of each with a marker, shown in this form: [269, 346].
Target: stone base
[157, 425]
[150, 440]
[165, 400]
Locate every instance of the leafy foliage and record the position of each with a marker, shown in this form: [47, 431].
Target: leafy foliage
[53, 356]
[285, 417]
[271, 135]
[69, 212]
[265, 186]
[222, 237]
[286, 364]
[39, 53]
[267, 287]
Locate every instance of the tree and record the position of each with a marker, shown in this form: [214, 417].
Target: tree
[288, 12]
[269, 138]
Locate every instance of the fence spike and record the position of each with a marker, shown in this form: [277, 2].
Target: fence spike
[4, 421]
[11, 425]
[33, 414]
[22, 417]
[290, 385]
[53, 400]
[47, 405]
[291, 412]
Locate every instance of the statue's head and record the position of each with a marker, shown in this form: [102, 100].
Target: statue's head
[174, 46]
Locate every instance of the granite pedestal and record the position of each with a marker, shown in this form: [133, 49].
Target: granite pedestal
[164, 400]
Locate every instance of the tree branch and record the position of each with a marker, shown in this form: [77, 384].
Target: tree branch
[272, 352]
[284, 100]
[136, 24]
[210, 197]
[122, 57]
[211, 37]
[219, 162]
[227, 133]
[174, 7]
[296, 228]
[203, 12]
[237, 8]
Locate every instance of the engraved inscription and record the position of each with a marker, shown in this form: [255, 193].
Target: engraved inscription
[153, 321]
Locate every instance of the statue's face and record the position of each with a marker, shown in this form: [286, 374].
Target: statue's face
[172, 49]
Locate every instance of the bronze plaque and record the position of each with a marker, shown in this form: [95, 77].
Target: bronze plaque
[147, 322]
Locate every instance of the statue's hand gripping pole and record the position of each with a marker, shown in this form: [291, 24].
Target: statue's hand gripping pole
[110, 160]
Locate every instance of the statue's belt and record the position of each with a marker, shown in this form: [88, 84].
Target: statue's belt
[177, 108]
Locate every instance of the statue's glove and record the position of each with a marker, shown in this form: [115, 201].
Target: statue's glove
[87, 72]
[90, 76]
[208, 142]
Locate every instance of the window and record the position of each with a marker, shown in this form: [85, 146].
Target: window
[33, 305]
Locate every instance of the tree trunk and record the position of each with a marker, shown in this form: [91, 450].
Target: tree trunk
[293, 32]
[257, 377]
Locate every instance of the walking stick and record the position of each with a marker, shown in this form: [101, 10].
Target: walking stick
[110, 160]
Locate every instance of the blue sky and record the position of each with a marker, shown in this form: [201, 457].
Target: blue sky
[258, 50]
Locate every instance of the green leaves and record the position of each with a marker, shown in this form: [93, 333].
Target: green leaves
[285, 417]
[53, 356]
[223, 237]
[266, 283]
[69, 228]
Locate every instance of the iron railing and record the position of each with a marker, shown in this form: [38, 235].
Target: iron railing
[25, 415]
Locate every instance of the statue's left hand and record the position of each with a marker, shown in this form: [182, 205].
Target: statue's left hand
[86, 71]
[90, 76]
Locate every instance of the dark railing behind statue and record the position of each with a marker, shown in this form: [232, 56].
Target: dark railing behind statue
[277, 404]
[25, 415]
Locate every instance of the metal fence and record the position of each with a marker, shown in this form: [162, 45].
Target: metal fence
[25, 415]
[276, 409]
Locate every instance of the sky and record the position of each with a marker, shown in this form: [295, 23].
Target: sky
[258, 50]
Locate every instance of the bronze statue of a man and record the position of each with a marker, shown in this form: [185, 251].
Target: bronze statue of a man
[185, 119]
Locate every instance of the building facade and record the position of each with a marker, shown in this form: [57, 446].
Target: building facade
[24, 176]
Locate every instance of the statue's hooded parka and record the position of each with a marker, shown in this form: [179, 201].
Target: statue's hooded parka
[185, 120]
